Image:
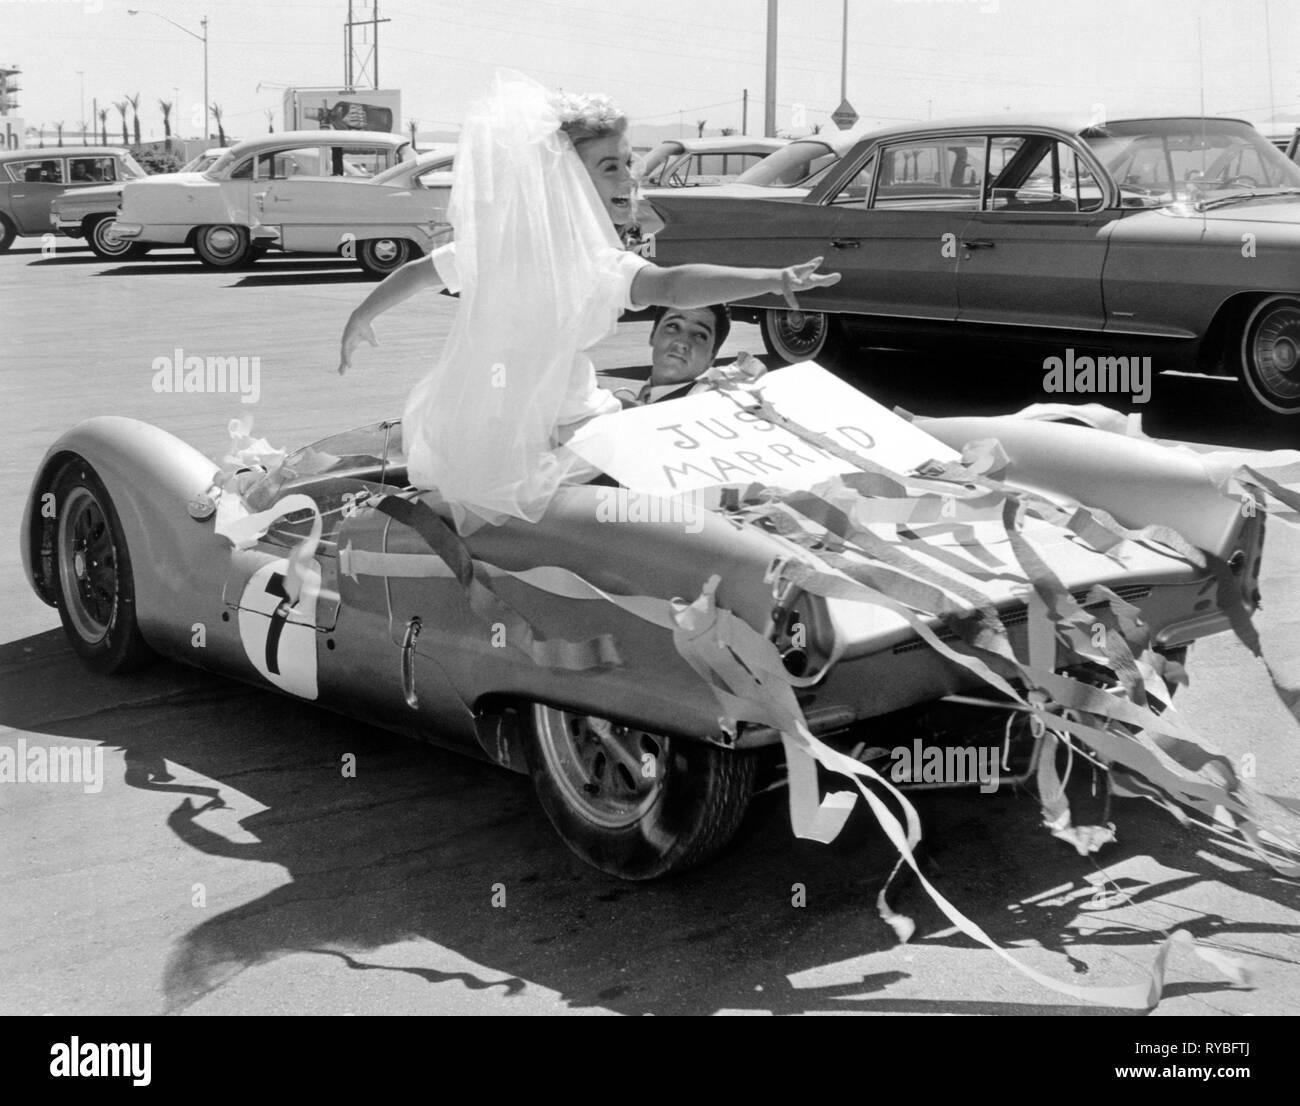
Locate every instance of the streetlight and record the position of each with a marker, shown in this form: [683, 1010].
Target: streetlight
[203, 38]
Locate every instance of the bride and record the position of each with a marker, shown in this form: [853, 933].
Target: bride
[542, 183]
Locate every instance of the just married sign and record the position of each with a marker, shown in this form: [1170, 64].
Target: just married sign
[712, 439]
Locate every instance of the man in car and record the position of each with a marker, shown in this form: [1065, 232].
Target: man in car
[683, 343]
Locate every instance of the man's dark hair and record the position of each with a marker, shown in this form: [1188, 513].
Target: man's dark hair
[721, 322]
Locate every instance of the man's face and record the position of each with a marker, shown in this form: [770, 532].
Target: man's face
[682, 345]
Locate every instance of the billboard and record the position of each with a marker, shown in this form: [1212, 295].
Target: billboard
[342, 109]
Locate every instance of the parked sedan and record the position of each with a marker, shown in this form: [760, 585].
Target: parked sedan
[1174, 238]
[695, 162]
[31, 179]
[89, 213]
[233, 212]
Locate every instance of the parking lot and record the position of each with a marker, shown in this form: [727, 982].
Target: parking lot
[227, 866]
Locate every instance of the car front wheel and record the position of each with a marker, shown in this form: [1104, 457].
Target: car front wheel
[223, 247]
[105, 242]
[635, 804]
[796, 336]
[381, 256]
[1270, 355]
[96, 587]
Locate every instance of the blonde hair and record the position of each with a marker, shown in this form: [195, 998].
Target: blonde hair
[586, 116]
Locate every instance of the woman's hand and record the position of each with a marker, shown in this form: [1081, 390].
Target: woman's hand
[357, 331]
[800, 278]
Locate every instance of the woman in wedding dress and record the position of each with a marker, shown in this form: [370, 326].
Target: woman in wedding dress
[542, 182]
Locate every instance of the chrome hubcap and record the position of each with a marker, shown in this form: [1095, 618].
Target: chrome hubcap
[1275, 354]
[800, 333]
[222, 241]
[386, 250]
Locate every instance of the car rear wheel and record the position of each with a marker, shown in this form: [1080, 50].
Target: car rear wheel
[795, 336]
[1270, 355]
[106, 243]
[381, 256]
[223, 247]
[7, 234]
[96, 588]
[635, 804]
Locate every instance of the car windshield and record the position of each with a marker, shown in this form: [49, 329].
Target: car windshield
[357, 452]
[1157, 162]
[132, 169]
[201, 163]
[223, 162]
[791, 165]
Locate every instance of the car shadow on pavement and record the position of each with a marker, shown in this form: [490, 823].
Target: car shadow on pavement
[425, 844]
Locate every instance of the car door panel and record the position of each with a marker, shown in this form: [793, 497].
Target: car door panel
[1026, 269]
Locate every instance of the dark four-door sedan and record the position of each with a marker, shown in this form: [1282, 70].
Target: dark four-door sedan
[1174, 238]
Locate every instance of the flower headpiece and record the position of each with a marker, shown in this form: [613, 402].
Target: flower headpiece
[589, 111]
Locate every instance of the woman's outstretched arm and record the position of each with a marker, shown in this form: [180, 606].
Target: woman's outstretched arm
[701, 285]
[396, 287]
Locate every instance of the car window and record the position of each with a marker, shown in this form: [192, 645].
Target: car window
[931, 174]
[40, 171]
[858, 187]
[440, 177]
[693, 170]
[82, 170]
[301, 161]
[362, 161]
[791, 165]
[242, 171]
[1041, 174]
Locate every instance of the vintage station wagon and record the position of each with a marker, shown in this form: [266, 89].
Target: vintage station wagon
[31, 179]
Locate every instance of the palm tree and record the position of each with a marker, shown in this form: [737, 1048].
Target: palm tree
[103, 126]
[85, 127]
[166, 107]
[134, 101]
[699, 126]
[121, 110]
[221, 133]
[58, 129]
[270, 121]
[727, 130]
[414, 125]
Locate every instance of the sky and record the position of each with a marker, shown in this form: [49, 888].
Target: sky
[669, 62]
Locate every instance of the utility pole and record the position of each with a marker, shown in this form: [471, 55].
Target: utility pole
[769, 91]
[744, 111]
[844, 56]
[356, 64]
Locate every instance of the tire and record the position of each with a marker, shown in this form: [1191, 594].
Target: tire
[95, 585]
[381, 256]
[223, 246]
[7, 234]
[627, 823]
[1270, 356]
[795, 336]
[104, 243]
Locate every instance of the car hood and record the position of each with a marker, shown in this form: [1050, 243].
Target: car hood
[1263, 209]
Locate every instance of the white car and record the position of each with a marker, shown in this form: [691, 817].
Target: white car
[273, 190]
[89, 213]
[697, 162]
